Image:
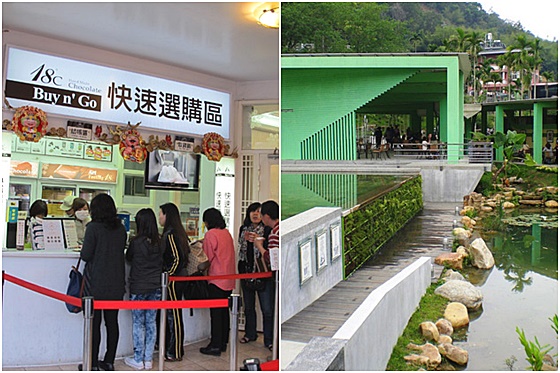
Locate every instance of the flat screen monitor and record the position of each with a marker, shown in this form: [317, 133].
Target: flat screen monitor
[173, 170]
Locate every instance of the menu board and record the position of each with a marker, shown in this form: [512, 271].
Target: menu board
[65, 148]
[60, 234]
[98, 152]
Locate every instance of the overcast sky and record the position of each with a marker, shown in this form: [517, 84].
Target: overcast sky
[540, 17]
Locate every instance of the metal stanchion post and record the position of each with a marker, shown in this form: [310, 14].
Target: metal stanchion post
[275, 340]
[233, 332]
[162, 320]
[87, 304]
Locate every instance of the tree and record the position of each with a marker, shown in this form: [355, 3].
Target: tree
[548, 76]
[473, 41]
[415, 39]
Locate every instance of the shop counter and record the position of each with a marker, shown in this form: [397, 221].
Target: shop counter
[39, 330]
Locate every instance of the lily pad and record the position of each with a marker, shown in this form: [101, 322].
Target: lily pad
[545, 221]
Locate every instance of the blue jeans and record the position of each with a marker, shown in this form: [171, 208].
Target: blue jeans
[266, 300]
[144, 327]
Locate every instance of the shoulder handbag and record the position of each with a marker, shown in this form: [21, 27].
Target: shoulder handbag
[257, 284]
[197, 265]
[75, 287]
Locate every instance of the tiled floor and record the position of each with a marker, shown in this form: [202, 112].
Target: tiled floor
[192, 361]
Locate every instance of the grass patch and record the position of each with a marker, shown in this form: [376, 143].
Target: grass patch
[431, 308]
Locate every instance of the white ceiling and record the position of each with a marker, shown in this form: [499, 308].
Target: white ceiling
[220, 39]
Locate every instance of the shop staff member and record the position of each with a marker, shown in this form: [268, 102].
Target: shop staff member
[80, 208]
[67, 205]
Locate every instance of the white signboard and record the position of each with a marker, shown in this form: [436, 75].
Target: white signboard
[69, 87]
[225, 190]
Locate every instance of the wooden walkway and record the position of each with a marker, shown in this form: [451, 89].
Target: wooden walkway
[422, 236]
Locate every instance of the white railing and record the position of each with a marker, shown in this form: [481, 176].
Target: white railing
[472, 152]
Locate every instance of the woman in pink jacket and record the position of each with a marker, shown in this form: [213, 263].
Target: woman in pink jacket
[218, 246]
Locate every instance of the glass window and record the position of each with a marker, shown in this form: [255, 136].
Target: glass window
[261, 125]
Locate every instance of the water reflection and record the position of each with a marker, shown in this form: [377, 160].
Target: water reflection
[521, 250]
[300, 192]
[520, 291]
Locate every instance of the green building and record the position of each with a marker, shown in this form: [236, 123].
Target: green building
[323, 94]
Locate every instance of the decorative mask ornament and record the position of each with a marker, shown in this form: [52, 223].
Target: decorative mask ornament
[30, 123]
[213, 146]
[132, 147]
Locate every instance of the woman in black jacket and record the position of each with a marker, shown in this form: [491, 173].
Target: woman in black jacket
[175, 244]
[146, 259]
[103, 252]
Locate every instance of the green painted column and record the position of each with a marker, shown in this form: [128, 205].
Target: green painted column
[415, 122]
[443, 120]
[454, 113]
[537, 132]
[499, 128]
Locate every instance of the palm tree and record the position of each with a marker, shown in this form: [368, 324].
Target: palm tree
[494, 78]
[536, 48]
[415, 39]
[548, 76]
[473, 44]
[507, 60]
[520, 50]
[459, 40]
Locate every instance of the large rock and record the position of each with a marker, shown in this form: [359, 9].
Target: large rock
[462, 251]
[468, 222]
[429, 331]
[457, 314]
[454, 353]
[480, 254]
[462, 292]
[443, 338]
[508, 205]
[551, 203]
[530, 202]
[453, 260]
[452, 275]
[429, 356]
[462, 236]
[444, 326]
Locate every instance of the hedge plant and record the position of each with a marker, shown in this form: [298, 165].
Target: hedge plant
[375, 221]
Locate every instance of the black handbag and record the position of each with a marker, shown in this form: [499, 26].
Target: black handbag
[75, 287]
[195, 290]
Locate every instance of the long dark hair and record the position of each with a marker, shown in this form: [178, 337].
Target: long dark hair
[146, 226]
[213, 218]
[39, 207]
[173, 221]
[251, 208]
[103, 210]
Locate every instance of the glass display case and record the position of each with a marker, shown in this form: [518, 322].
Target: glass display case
[54, 195]
[89, 193]
[21, 192]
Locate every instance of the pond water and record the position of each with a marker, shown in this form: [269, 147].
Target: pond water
[520, 291]
[301, 192]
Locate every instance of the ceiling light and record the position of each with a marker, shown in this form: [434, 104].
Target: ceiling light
[270, 18]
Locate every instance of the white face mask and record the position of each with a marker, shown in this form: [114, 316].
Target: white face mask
[82, 215]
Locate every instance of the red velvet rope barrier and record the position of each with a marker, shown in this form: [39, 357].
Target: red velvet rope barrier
[139, 305]
[221, 277]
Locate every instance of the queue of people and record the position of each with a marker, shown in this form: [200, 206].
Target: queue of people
[105, 250]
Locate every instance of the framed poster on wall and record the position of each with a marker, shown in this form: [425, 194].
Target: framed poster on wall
[336, 243]
[550, 136]
[305, 261]
[322, 252]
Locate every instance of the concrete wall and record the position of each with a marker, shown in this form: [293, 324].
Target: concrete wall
[296, 297]
[369, 335]
[449, 183]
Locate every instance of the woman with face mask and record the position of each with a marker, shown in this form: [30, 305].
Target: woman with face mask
[82, 217]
